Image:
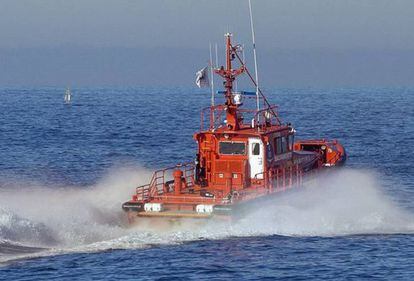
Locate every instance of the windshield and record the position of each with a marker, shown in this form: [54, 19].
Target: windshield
[232, 148]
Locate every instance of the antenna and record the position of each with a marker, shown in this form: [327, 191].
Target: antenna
[255, 58]
[212, 78]
[215, 46]
[243, 56]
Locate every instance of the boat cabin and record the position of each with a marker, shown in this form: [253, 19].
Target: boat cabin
[236, 160]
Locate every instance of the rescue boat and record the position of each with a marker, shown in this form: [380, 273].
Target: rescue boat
[244, 155]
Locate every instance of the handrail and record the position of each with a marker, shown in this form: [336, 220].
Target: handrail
[187, 199]
[156, 187]
[277, 179]
[270, 109]
[213, 117]
[219, 109]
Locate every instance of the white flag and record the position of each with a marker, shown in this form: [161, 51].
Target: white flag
[202, 78]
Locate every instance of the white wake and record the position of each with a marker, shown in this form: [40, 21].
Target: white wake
[61, 220]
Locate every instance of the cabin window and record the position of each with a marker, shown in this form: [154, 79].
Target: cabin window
[291, 142]
[278, 145]
[232, 148]
[281, 144]
[269, 152]
[256, 148]
[284, 144]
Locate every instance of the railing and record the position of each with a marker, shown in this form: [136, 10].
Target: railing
[286, 177]
[187, 199]
[215, 116]
[281, 178]
[276, 180]
[266, 116]
[142, 192]
[159, 181]
[260, 118]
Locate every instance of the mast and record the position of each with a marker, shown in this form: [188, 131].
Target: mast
[229, 76]
[212, 80]
[229, 79]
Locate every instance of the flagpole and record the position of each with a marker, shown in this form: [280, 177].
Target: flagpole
[255, 59]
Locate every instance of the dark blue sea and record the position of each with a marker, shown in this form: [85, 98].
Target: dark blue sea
[66, 169]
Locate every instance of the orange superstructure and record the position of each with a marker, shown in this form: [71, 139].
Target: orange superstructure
[243, 155]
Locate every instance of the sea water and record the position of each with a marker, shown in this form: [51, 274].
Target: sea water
[65, 170]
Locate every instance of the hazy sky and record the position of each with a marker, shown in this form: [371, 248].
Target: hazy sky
[321, 35]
